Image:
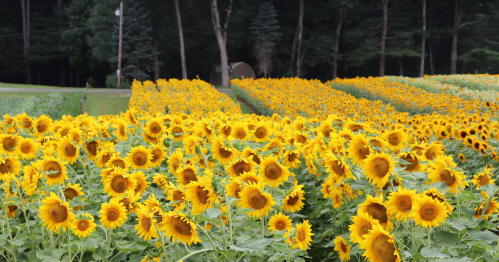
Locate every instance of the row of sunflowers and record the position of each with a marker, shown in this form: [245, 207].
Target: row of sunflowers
[348, 179]
[471, 81]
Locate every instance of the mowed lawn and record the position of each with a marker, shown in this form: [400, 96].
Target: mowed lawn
[95, 104]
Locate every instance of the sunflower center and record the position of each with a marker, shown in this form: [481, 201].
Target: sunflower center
[344, 247]
[301, 139]
[356, 128]
[92, 148]
[280, 225]
[273, 171]
[483, 180]
[119, 163]
[447, 177]
[181, 226]
[292, 157]
[377, 211]
[146, 223]
[9, 143]
[431, 154]
[177, 195]
[156, 154]
[189, 176]
[413, 160]
[70, 193]
[301, 236]
[404, 203]
[50, 166]
[83, 225]
[365, 229]
[337, 169]
[257, 200]
[158, 217]
[226, 130]
[155, 128]
[224, 153]
[241, 166]
[26, 148]
[250, 180]
[260, 132]
[394, 139]
[106, 157]
[140, 158]
[139, 187]
[384, 250]
[126, 203]
[363, 151]
[255, 158]
[202, 195]
[41, 127]
[119, 184]
[69, 149]
[58, 212]
[177, 131]
[7, 166]
[112, 214]
[381, 167]
[428, 212]
[292, 200]
[327, 132]
[12, 208]
[240, 134]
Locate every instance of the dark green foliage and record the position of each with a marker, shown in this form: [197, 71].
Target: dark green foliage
[137, 57]
[112, 83]
[257, 104]
[265, 33]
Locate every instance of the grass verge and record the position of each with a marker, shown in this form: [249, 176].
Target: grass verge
[98, 104]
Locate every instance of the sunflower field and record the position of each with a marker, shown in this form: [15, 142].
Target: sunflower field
[366, 169]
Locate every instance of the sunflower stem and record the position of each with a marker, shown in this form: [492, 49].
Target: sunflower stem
[484, 209]
[230, 217]
[211, 241]
[8, 227]
[69, 247]
[162, 238]
[290, 249]
[263, 234]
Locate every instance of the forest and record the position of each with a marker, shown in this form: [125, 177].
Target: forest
[74, 42]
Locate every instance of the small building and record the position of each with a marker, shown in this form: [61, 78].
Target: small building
[236, 70]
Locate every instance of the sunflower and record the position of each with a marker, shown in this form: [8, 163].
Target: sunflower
[337, 198]
[199, 196]
[432, 151]
[378, 167]
[252, 196]
[326, 128]
[146, 228]
[84, 227]
[67, 150]
[177, 194]
[261, 133]
[56, 214]
[428, 212]
[121, 131]
[435, 194]
[234, 188]
[342, 247]
[24, 121]
[158, 155]
[175, 161]
[440, 171]
[9, 166]
[362, 224]
[248, 152]
[54, 169]
[241, 166]
[222, 153]
[293, 201]
[375, 207]
[178, 132]
[92, 148]
[462, 157]
[139, 157]
[186, 175]
[118, 182]
[117, 162]
[9, 144]
[129, 200]
[413, 162]
[31, 179]
[279, 222]
[72, 191]
[224, 130]
[155, 128]
[11, 209]
[380, 246]
[272, 172]
[179, 227]
[274, 145]
[42, 125]
[483, 178]
[302, 238]
[291, 158]
[105, 153]
[190, 143]
[492, 207]
[396, 139]
[400, 203]
[359, 149]
[113, 215]
[240, 131]
[327, 187]
[27, 148]
[337, 167]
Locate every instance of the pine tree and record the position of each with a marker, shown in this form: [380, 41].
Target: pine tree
[265, 32]
[137, 55]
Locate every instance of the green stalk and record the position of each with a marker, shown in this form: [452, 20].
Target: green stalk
[162, 235]
[230, 217]
[487, 203]
[290, 249]
[211, 241]
[8, 227]
[69, 247]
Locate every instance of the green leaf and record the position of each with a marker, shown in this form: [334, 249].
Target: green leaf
[100, 254]
[435, 252]
[482, 235]
[444, 237]
[360, 184]
[256, 245]
[213, 212]
[17, 243]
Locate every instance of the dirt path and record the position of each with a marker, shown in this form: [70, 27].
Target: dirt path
[91, 90]
[250, 107]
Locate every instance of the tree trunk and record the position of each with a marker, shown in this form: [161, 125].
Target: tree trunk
[221, 34]
[343, 13]
[293, 50]
[156, 61]
[26, 28]
[458, 12]
[383, 38]
[432, 60]
[421, 65]
[59, 4]
[300, 28]
[181, 38]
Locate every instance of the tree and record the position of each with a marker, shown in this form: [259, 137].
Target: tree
[299, 30]
[265, 31]
[342, 7]
[102, 21]
[137, 57]
[221, 35]
[181, 38]
[421, 64]
[384, 4]
[26, 32]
